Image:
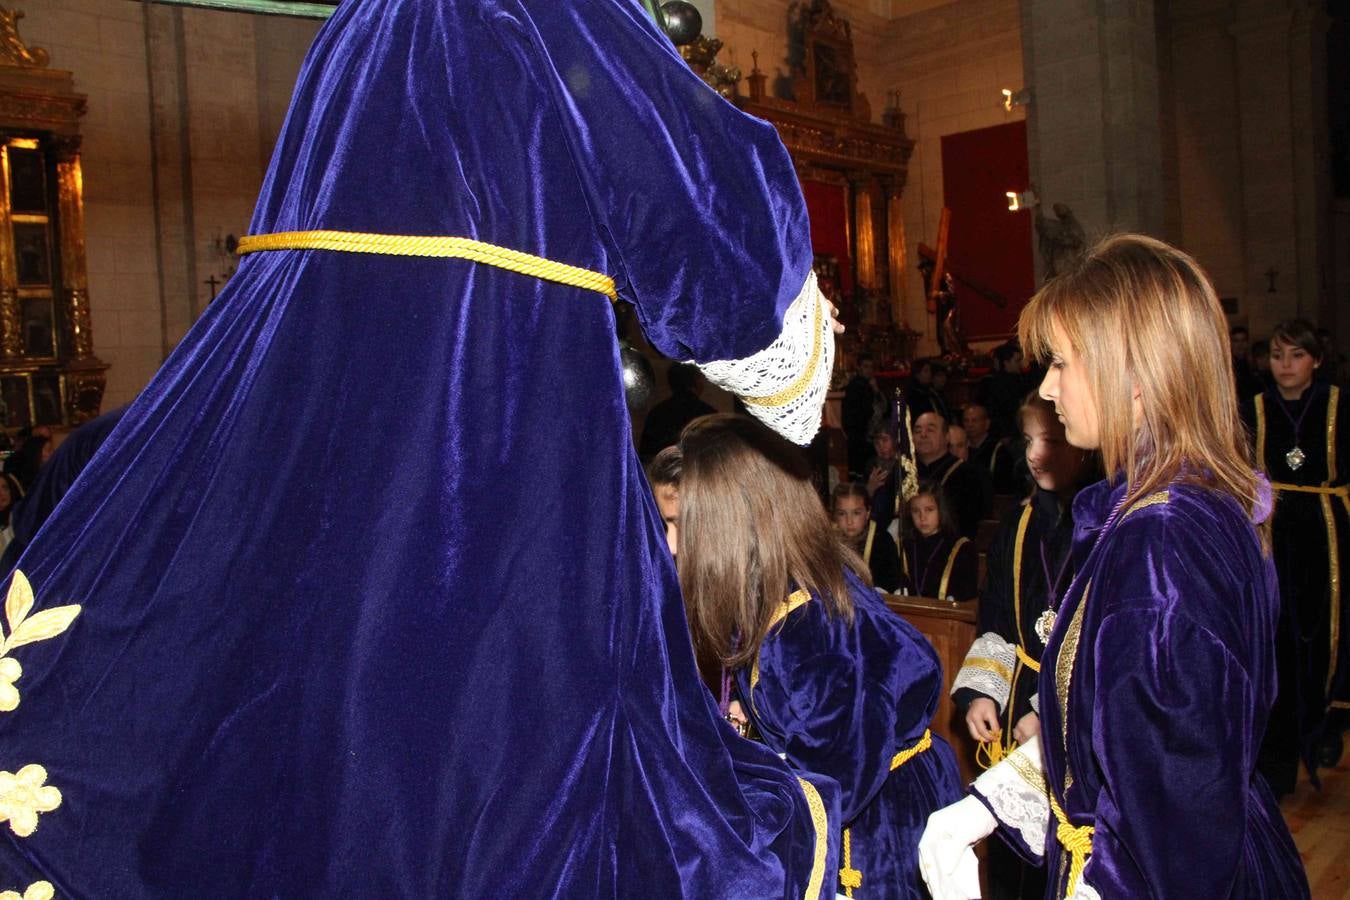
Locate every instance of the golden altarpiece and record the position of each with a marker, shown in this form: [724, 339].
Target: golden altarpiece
[49, 374]
[827, 128]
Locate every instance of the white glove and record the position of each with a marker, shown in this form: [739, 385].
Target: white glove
[946, 859]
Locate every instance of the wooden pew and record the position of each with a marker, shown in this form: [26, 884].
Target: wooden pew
[950, 628]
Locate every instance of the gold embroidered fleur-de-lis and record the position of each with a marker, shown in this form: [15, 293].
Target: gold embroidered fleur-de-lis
[38, 890]
[24, 794]
[26, 629]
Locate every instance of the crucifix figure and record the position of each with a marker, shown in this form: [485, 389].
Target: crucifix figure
[1270, 276]
[214, 282]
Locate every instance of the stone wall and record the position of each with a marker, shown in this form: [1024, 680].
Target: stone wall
[184, 106]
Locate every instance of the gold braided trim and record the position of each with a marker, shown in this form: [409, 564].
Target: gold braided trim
[821, 822]
[796, 599]
[989, 665]
[432, 246]
[1151, 500]
[1027, 771]
[1076, 839]
[1260, 401]
[1332, 402]
[802, 381]
[1018, 544]
[947, 569]
[1334, 561]
[867, 547]
[1032, 664]
[1338, 491]
[909, 753]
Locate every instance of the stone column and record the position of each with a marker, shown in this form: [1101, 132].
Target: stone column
[1261, 49]
[1093, 123]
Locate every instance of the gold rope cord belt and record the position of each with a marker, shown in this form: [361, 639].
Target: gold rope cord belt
[439, 247]
[850, 877]
[1076, 839]
[1339, 491]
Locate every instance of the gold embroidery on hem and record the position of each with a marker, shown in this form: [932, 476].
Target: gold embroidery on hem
[23, 795]
[38, 890]
[822, 825]
[26, 629]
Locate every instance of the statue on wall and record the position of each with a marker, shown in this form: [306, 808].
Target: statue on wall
[1061, 240]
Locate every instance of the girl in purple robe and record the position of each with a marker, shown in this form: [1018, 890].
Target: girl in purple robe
[831, 679]
[1159, 671]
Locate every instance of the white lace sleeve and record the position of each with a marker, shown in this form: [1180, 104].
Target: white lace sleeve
[988, 668]
[784, 385]
[1016, 794]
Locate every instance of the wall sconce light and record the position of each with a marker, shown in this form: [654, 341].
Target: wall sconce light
[1016, 98]
[1021, 200]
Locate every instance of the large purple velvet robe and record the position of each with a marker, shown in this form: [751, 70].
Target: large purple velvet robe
[308, 667]
[1154, 691]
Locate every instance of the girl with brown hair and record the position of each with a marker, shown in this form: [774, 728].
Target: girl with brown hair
[832, 679]
[851, 509]
[1159, 670]
[937, 562]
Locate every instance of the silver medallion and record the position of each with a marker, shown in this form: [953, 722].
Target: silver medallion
[1295, 459]
[1044, 625]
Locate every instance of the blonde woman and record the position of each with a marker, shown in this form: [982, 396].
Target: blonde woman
[1159, 671]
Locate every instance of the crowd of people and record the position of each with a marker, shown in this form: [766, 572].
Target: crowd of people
[1175, 551]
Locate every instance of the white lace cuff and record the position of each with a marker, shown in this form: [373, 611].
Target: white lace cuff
[988, 668]
[784, 385]
[1015, 793]
[1084, 891]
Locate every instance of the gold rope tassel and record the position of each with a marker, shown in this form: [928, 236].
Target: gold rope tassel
[849, 877]
[1077, 840]
[431, 246]
[990, 753]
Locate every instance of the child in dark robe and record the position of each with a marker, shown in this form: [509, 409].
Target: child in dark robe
[935, 560]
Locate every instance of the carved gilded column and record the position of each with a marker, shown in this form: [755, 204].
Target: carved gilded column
[74, 274]
[11, 336]
[866, 241]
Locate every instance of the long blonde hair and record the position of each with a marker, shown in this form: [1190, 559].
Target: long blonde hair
[751, 528]
[1142, 314]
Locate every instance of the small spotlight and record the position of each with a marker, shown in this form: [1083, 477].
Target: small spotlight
[1021, 200]
[1015, 98]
